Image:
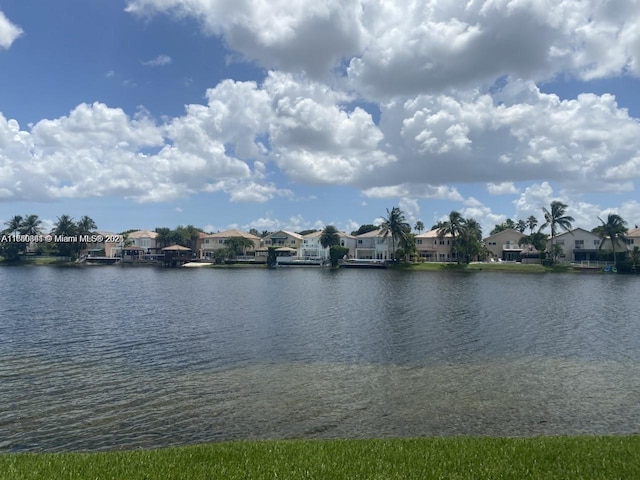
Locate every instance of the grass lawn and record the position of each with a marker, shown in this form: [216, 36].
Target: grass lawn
[450, 458]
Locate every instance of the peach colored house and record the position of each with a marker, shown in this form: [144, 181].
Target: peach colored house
[432, 248]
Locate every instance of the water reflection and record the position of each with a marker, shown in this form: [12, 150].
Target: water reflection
[149, 358]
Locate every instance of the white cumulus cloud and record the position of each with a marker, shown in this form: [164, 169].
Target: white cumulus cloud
[9, 32]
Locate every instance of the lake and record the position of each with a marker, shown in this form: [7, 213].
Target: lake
[99, 358]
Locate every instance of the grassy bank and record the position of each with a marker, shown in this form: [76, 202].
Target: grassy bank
[457, 457]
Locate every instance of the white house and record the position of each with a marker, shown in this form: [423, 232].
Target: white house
[311, 248]
[374, 245]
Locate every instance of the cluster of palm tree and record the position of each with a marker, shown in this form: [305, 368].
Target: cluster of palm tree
[521, 225]
[185, 236]
[466, 236]
[31, 225]
[19, 225]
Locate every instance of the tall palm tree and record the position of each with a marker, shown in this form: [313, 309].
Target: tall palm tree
[614, 229]
[470, 239]
[453, 226]
[554, 218]
[396, 225]
[532, 222]
[521, 226]
[419, 227]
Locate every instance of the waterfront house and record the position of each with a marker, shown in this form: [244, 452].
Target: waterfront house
[577, 245]
[633, 238]
[283, 238]
[504, 245]
[145, 239]
[373, 246]
[432, 248]
[216, 241]
[311, 248]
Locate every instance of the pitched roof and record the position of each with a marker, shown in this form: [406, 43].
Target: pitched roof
[432, 234]
[232, 233]
[288, 233]
[142, 234]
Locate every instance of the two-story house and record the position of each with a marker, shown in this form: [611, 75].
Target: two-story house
[144, 239]
[432, 248]
[504, 245]
[373, 245]
[577, 245]
[216, 241]
[311, 248]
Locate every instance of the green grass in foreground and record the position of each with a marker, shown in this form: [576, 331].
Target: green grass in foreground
[451, 458]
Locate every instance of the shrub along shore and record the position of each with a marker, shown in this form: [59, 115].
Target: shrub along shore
[588, 457]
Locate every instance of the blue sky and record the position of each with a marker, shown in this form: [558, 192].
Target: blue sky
[151, 113]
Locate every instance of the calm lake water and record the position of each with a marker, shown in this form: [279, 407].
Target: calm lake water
[100, 358]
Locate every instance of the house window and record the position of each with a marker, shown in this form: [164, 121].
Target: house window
[596, 242]
[629, 241]
[220, 241]
[419, 242]
[579, 243]
[293, 242]
[359, 242]
[206, 241]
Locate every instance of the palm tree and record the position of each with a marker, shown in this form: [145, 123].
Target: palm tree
[329, 237]
[470, 239]
[521, 226]
[419, 227]
[532, 222]
[238, 246]
[614, 229]
[65, 226]
[86, 225]
[14, 225]
[31, 225]
[554, 218]
[395, 225]
[453, 226]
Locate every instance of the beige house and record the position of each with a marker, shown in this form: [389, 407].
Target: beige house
[504, 245]
[633, 238]
[431, 248]
[145, 239]
[283, 238]
[578, 245]
[216, 241]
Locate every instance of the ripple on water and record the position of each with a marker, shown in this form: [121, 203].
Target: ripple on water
[227, 355]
